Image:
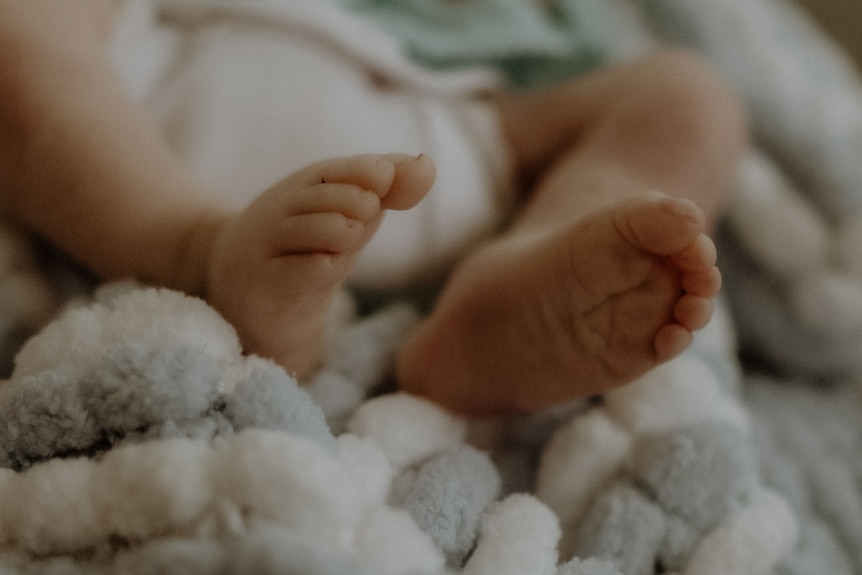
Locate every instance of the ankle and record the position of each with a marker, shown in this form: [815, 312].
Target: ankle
[191, 267]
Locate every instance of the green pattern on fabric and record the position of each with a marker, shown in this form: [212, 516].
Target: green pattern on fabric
[530, 43]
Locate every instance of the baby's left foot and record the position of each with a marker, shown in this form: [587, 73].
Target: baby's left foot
[275, 267]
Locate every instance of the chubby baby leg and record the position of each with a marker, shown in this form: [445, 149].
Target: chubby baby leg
[598, 279]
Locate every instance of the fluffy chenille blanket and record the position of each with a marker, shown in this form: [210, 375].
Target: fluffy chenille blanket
[135, 438]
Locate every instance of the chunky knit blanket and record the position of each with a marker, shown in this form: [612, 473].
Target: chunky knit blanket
[136, 438]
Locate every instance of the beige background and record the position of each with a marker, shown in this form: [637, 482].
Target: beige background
[843, 18]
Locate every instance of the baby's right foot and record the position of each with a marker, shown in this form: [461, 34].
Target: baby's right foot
[274, 268]
[532, 320]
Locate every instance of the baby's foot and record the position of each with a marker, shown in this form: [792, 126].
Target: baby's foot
[533, 320]
[275, 267]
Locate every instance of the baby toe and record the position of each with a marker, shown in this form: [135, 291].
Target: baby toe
[693, 312]
[414, 176]
[706, 283]
[670, 341]
[369, 171]
[324, 232]
[699, 255]
[660, 224]
[346, 199]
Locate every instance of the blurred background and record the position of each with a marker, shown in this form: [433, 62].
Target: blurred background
[843, 18]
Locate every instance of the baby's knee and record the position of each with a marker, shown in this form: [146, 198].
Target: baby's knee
[689, 91]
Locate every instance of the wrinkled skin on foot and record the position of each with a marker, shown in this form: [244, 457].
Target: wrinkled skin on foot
[527, 322]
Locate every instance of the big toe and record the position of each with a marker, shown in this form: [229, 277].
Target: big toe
[414, 176]
[661, 224]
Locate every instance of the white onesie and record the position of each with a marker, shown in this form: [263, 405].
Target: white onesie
[248, 91]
